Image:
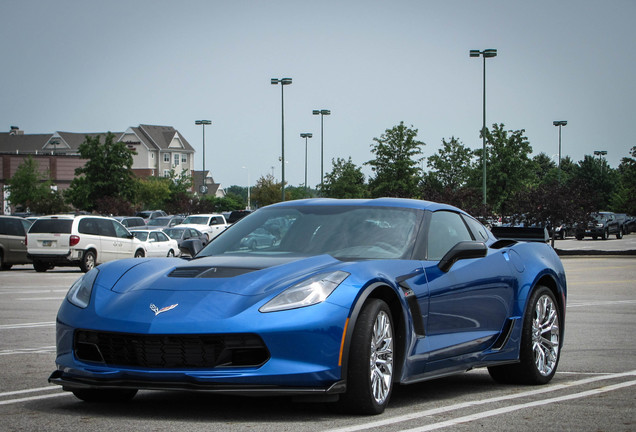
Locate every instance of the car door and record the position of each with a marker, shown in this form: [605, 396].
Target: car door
[12, 236]
[124, 241]
[468, 305]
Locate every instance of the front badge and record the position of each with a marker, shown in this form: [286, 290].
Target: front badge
[157, 311]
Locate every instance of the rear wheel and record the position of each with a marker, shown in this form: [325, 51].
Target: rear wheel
[40, 266]
[619, 234]
[88, 261]
[105, 395]
[140, 253]
[540, 343]
[370, 371]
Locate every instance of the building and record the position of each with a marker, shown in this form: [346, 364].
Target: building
[158, 151]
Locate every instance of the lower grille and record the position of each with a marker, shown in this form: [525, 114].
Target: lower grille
[170, 351]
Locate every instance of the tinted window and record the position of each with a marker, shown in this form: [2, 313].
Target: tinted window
[445, 231]
[119, 230]
[12, 227]
[89, 226]
[480, 232]
[52, 226]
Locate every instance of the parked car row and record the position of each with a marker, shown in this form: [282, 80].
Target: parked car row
[88, 240]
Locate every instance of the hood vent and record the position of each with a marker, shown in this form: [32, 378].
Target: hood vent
[212, 272]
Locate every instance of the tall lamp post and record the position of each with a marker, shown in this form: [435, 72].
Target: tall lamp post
[283, 82]
[204, 186]
[306, 135]
[249, 204]
[559, 123]
[322, 113]
[487, 53]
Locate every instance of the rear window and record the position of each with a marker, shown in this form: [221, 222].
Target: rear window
[52, 226]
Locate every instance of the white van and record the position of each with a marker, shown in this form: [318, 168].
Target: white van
[83, 241]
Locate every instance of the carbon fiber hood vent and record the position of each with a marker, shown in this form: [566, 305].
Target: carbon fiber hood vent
[211, 272]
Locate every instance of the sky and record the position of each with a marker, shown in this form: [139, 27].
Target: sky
[95, 66]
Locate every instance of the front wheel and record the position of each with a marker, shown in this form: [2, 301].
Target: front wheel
[170, 253]
[139, 253]
[370, 371]
[540, 343]
[619, 234]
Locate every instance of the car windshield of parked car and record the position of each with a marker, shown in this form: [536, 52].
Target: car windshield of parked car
[141, 235]
[160, 221]
[174, 233]
[198, 220]
[341, 231]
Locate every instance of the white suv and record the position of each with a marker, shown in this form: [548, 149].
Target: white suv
[83, 241]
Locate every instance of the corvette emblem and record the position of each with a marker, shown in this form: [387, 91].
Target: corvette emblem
[157, 311]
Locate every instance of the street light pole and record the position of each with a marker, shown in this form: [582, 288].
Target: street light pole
[249, 204]
[559, 123]
[306, 135]
[204, 186]
[487, 53]
[283, 82]
[322, 113]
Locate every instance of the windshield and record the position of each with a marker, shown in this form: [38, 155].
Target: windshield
[160, 221]
[340, 231]
[199, 220]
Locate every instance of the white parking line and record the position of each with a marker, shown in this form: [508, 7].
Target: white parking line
[40, 350]
[26, 325]
[39, 298]
[512, 408]
[32, 398]
[601, 303]
[434, 411]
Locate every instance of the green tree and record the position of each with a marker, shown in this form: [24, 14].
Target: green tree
[451, 166]
[28, 188]
[624, 197]
[266, 191]
[599, 179]
[107, 173]
[153, 192]
[509, 168]
[345, 180]
[396, 165]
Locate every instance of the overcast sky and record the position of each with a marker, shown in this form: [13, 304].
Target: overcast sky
[92, 66]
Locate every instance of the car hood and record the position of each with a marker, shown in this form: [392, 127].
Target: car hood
[245, 276]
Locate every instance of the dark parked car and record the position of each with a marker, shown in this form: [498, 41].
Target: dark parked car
[150, 214]
[13, 249]
[181, 234]
[601, 224]
[130, 221]
[165, 221]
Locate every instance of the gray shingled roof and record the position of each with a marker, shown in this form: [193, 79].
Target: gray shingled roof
[29, 144]
[162, 136]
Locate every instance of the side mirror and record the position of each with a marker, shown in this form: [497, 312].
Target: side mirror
[462, 250]
[191, 247]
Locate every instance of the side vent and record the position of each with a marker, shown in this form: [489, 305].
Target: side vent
[209, 272]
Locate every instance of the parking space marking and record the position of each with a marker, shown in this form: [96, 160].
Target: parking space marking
[434, 411]
[601, 303]
[518, 407]
[39, 298]
[40, 350]
[32, 398]
[26, 325]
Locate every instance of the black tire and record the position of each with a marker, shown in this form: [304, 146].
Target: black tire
[3, 265]
[619, 234]
[170, 253]
[139, 253]
[89, 260]
[535, 366]
[374, 325]
[105, 395]
[579, 237]
[40, 266]
[605, 235]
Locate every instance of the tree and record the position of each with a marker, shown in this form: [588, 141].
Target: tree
[345, 180]
[153, 192]
[27, 187]
[266, 191]
[395, 167]
[509, 168]
[624, 198]
[599, 179]
[107, 173]
[451, 166]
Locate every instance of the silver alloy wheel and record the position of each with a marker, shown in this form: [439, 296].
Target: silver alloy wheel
[545, 335]
[381, 359]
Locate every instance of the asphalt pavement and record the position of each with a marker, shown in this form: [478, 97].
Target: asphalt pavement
[588, 246]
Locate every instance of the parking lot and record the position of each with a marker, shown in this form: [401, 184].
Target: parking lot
[592, 391]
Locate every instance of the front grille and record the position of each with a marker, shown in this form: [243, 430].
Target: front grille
[170, 351]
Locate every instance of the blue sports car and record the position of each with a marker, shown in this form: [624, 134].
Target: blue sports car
[352, 298]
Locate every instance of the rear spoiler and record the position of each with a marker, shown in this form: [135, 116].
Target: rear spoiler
[521, 234]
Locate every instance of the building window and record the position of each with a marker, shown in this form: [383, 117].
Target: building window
[184, 158]
[166, 173]
[177, 158]
[166, 157]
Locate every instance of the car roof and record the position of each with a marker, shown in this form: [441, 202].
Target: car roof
[376, 202]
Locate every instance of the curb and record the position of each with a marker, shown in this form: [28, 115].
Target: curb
[581, 252]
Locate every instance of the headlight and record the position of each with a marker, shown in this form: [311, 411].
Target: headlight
[80, 292]
[308, 292]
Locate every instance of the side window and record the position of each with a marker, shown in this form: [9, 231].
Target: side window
[26, 225]
[445, 231]
[161, 237]
[11, 227]
[479, 231]
[153, 236]
[89, 226]
[106, 227]
[118, 230]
